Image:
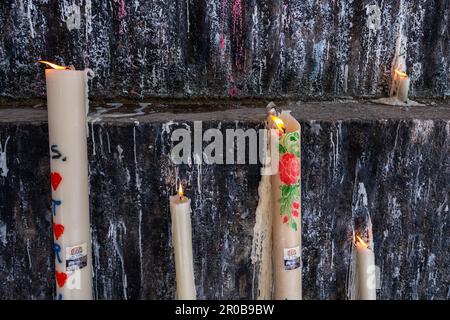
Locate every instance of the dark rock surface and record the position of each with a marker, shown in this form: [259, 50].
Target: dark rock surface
[208, 48]
[398, 159]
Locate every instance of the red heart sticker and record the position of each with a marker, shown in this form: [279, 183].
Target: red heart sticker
[61, 278]
[56, 179]
[58, 229]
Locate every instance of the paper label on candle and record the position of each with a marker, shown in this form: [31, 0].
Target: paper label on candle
[76, 257]
[291, 258]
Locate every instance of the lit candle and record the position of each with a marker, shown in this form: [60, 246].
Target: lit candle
[400, 86]
[66, 105]
[365, 270]
[286, 230]
[180, 210]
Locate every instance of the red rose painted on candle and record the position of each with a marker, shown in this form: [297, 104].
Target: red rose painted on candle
[289, 168]
[289, 172]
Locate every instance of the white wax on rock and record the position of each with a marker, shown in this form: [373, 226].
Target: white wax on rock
[286, 240]
[66, 104]
[180, 210]
[366, 277]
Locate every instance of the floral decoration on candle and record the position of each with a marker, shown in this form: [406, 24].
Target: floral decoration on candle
[289, 167]
[289, 171]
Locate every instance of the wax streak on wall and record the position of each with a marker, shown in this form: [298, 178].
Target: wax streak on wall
[3, 165]
[30, 8]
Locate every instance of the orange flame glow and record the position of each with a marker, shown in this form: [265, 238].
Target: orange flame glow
[400, 73]
[278, 122]
[54, 66]
[361, 241]
[180, 190]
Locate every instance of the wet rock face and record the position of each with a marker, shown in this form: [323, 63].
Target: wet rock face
[398, 167]
[226, 47]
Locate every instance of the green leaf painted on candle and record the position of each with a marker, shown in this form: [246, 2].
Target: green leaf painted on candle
[294, 225]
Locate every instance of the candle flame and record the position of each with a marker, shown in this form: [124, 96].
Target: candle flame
[180, 190]
[54, 66]
[361, 241]
[278, 122]
[400, 73]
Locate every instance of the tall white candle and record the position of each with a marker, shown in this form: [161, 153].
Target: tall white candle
[286, 249]
[180, 210]
[365, 269]
[66, 104]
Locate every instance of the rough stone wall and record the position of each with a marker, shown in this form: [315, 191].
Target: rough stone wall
[399, 167]
[223, 48]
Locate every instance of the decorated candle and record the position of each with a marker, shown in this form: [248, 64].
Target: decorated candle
[66, 104]
[365, 270]
[400, 86]
[286, 228]
[180, 210]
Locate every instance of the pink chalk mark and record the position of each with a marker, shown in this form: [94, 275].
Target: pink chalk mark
[234, 91]
[237, 15]
[122, 9]
[222, 39]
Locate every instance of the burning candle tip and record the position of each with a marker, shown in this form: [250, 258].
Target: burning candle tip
[361, 241]
[180, 191]
[53, 65]
[279, 123]
[401, 73]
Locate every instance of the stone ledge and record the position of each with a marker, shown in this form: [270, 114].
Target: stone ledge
[249, 111]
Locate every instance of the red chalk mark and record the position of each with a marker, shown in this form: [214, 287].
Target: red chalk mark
[58, 230]
[56, 179]
[61, 278]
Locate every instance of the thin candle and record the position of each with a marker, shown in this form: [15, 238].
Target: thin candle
[365, 268]
[400, 87]
[180, 210]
